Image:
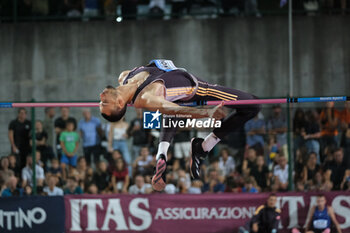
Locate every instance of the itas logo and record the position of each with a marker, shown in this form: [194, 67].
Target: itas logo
[151, 120]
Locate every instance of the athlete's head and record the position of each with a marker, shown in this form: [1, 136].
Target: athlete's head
[112, 105]
[321, 201]
[272, 200]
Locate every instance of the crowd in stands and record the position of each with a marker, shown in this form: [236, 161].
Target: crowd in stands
[89, 156]
[131, 9]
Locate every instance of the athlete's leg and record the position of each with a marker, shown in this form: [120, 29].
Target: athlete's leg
[166, 136]
[232, 122]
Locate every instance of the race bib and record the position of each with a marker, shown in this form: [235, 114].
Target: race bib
[320, 224]
[166, 65]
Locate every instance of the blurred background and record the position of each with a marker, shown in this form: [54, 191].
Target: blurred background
[69, 50]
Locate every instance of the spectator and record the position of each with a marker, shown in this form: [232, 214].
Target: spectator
[128, 8]
[28, 190]
[55, 169]
[140, 187]
[101, 177]
[117, 140]
[327, 184]
[24, 7]
[213, 185]
[226, 162]
[329, 123]
[41, 137]
[48, 125]
[196, 187]
[18, 134]
[73, 8]
[182, 147]
[13, 165]
[140, 136]
[90, 131]
[51, 189]
[120, 177]
[60, 126]
[69, 143]
[115, 156]
[346, 185]
[178, 7]
[251, 8]
[156, 8]
[272, 151]
[345, 116]
[338, 169]
[311, 169]
[345, 126]
[249, 162]
[332, 5]
[255, 131]
[261, 174]
[321, 216]
[40, 7]
[83, 173]
[249, 186]
[5, 171]
[266, 218]
[12, 190]
[92, 189]
[299, 124]
[56, 7]
[183, 181]
[312, 134]
[227, 5]
[144, 163]
[277, 125]
[27, 173]
[91, 8]
[72, 186]
[170, 189]
[281, 174]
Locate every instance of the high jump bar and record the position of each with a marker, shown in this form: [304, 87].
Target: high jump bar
[191, 104]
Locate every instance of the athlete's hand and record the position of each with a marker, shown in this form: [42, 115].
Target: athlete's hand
[218, 112]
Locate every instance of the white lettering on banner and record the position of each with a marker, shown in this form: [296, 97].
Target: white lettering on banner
[91, 212]
[114, 212]
[311, 204]
[37, 216]
[341, 210]
[140, 214]
[204, 213]
[75, 214]
[293, 209]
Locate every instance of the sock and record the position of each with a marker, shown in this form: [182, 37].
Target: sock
[209, 142]
[163, 149]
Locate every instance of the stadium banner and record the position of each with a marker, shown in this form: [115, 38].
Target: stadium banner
[189, 212]
[32, 214]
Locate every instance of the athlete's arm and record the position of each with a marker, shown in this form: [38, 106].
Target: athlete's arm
[334, 219]
[153, 101]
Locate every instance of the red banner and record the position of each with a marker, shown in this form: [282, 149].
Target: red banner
[189, 213]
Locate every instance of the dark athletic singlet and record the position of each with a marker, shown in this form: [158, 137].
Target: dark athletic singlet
[321, 219]
[180, 85]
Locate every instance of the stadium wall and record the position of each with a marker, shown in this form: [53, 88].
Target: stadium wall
[57, 61]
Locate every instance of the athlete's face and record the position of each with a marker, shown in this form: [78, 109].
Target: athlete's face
[271, 202]
[108, 100]
[321, 202]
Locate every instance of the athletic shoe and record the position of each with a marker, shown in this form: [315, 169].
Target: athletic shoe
[197, 156]
[159, 179]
